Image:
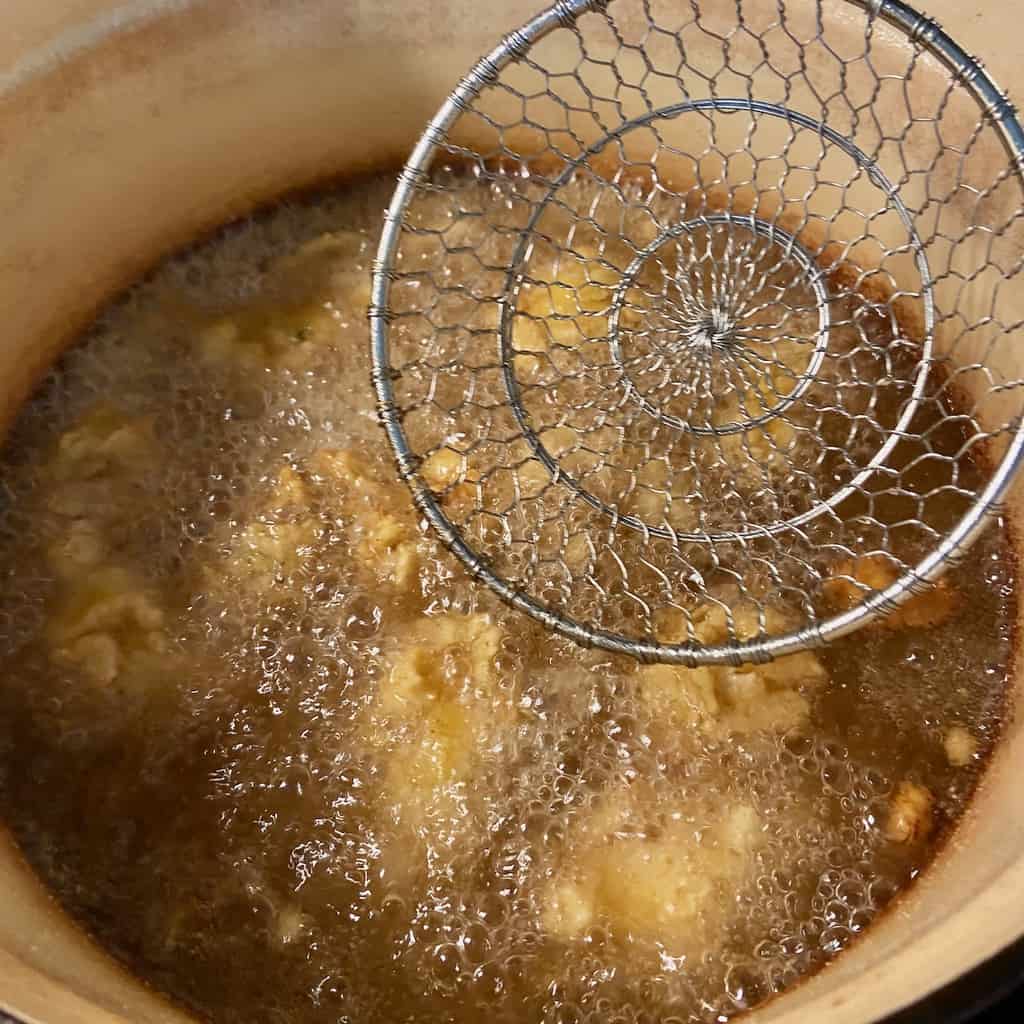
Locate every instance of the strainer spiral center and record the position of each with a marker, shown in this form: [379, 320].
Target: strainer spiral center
[697, 315]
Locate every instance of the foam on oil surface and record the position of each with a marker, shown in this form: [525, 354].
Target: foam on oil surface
[225, 820]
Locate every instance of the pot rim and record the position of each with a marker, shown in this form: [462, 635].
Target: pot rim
[960, 1001]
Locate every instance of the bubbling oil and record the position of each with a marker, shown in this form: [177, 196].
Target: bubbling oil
[282, 758]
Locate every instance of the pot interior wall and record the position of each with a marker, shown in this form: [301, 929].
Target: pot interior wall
[125, 132]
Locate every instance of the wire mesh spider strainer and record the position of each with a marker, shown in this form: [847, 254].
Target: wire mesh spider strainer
[694, 325]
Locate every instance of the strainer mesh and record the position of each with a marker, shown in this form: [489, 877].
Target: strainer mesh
[694, 325]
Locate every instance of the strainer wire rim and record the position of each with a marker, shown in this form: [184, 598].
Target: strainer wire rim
[996, 108]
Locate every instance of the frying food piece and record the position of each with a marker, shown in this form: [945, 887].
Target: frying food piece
[723, 700]
[79, 549]
[105, 617]
[439, 706]
[332, 267]
[291, 527]
[910, 817]
[659, 885]
[309, 293]
[257, 339]
[104, 621]
[443, 469]
[99, 463]
[566, 305]
[960, 746]
[853, 579]
[388, 542]
[103, 442]
[753, 451]
[271, 546]
[262, 551]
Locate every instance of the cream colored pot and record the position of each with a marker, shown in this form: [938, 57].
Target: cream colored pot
[127, 129]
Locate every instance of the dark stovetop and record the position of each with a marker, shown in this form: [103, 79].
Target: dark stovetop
[1009, 1009]
[990, 994]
